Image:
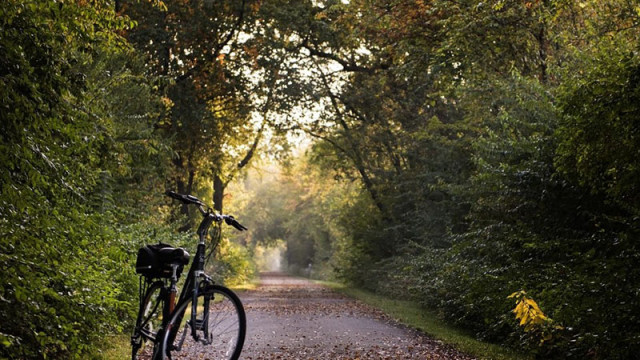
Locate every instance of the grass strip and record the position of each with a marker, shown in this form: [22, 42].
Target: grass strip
[415, 316]
[248, 286]
[116, 347]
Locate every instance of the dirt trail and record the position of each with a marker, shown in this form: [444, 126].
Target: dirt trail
[292, 318]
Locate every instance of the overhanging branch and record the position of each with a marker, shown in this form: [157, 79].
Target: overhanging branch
[348, 66]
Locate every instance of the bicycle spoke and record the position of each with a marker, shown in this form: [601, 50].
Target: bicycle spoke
[221, 330]
[149, 322]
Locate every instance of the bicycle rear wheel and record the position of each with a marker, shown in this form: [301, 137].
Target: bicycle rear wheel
[221, 327]
[149, 321]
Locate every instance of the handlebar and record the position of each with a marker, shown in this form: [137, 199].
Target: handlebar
[208, 213]
[230, 220]
[186, 199]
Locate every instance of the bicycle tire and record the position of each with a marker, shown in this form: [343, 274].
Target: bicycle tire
[149, 322]
[226, 327]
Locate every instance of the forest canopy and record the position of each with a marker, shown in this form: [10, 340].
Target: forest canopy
[476, 156]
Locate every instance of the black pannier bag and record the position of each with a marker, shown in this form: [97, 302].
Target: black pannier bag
[154, 261]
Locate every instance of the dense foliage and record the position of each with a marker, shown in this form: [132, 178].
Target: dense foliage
[59, 146]
[84, 166]
[478, 156]
[495, 145]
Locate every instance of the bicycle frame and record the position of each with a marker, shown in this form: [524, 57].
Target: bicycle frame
[196, 272]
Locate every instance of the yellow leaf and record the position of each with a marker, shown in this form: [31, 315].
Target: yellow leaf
[533, 304]
[520, 309]
[513, 295]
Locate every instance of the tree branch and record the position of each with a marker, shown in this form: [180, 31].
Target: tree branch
[324, 138]
[357, 157]
[252, 149]
[346, 65]
[219, 47]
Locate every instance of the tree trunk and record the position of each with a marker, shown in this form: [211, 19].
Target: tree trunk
[218, 193]
[184, 188]
[543, 47]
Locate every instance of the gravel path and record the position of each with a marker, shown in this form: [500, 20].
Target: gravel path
[292, 318]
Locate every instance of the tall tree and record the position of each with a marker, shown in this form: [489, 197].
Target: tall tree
[193, 47]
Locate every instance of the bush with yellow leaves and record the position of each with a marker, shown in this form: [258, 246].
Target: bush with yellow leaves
[532, 319]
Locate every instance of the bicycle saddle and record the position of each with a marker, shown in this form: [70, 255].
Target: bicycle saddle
[171, 255]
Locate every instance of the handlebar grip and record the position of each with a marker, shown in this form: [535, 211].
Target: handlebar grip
[173, 195]
[233, 222]
[239, 226]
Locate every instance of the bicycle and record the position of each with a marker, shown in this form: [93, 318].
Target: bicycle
[211, 316]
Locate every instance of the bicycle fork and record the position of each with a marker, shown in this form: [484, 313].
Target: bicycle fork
[201, 324]
[195, 324]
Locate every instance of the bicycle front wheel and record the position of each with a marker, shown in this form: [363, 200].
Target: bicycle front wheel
[220, 327]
